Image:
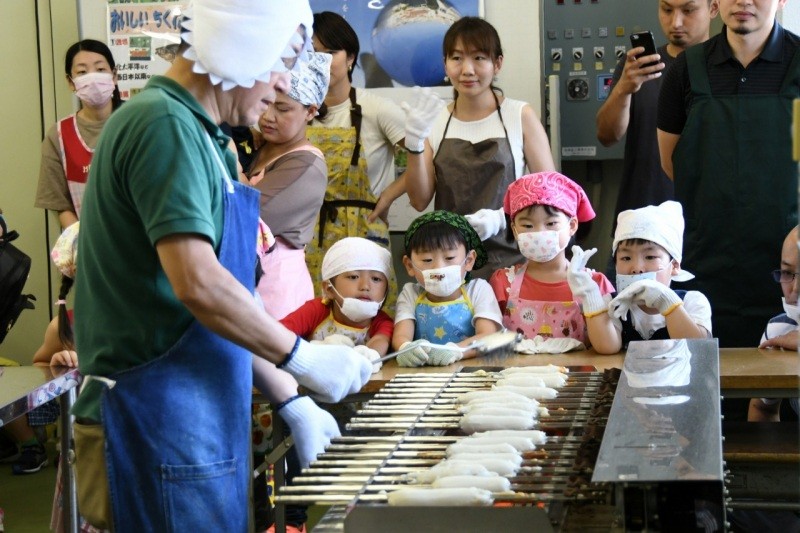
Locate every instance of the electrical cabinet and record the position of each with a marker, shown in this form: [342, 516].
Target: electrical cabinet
[582, 41]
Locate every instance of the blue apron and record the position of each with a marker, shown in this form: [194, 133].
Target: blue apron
[178, 427]
[443, 322]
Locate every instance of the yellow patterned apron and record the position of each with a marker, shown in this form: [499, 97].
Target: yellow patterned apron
[348, 198]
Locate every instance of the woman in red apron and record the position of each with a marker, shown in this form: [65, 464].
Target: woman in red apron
[481, 143]
[535, 297]
[69, 144]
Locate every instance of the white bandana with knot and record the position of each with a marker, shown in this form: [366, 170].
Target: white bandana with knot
[309, 83]
[239, 42]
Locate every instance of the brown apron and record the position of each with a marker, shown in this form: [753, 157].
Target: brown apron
[475, 176]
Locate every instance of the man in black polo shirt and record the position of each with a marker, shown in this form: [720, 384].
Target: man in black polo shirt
[632, 105]
[724, 135]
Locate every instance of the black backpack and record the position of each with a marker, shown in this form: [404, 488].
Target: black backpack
[14, 268]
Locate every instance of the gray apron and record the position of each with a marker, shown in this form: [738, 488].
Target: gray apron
[476, 176]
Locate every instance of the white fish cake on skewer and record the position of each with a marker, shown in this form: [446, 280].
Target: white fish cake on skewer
[465, 456]
[474, 405]
[554, 380]
[501, 467]
[542, 369]
[519, 443]
[495, 410]
[431, 497]
[538, 437]
[474, 422]
[447, 469]
[536, 393]
[496, 447]
[492, 484]
[494, 396]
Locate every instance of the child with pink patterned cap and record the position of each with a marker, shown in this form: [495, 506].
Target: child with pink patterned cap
[549, 295]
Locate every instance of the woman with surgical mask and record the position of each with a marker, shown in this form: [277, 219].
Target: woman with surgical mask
[69, 145]
[538, 298]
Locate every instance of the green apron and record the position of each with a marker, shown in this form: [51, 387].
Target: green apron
[736, 180]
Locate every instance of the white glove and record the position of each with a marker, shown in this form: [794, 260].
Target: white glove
[312, 428]
[331, 372]
[583, 287]
[487, 222]
[647, 292]
[443, 356]
[416, 357]
[420, 115]
[371, 355]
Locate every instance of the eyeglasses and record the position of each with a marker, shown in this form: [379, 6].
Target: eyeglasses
[783, 276]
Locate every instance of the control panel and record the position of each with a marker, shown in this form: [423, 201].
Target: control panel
[582, 42]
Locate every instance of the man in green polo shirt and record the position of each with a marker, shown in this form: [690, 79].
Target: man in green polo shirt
[167, 321]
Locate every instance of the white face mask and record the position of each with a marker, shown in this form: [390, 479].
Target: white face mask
[791, 310]
[94, 88]
[357, 310]
[443, 281]
[625, 280]
[539, 246]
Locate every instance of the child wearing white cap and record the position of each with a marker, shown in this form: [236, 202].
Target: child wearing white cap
[355, 278]
[647, 249]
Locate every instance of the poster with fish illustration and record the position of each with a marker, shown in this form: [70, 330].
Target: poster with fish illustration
[144, 38]
[400, 41]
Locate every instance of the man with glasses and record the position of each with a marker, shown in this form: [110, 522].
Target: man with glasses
[168, 321]
[781, 331]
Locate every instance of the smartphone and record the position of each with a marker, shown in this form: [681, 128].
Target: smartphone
[644, 38]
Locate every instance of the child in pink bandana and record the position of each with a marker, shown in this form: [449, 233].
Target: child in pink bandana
[550, 296]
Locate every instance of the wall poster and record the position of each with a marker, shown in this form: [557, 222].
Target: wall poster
[400, 40]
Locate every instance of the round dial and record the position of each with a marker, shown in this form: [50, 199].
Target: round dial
[578, 89]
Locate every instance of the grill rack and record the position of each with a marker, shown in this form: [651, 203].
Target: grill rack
[408, 424]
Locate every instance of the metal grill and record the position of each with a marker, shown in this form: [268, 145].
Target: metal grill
[409, 423]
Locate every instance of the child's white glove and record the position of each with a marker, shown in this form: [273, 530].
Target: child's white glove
[417, 356]
[487, 222]
[331, 372]
[647, 292]
[371, 355]
[583, 287]
[420, 114]
[443, 356]
[312, 428]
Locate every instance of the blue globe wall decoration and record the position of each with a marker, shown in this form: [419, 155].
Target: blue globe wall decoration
[407, 40]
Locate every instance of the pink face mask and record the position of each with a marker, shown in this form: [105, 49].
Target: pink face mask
[94, 88]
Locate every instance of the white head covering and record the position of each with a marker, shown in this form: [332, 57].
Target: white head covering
[661, 224]
[238, 42]
[356, 253]
[65, 251]
[309, 83]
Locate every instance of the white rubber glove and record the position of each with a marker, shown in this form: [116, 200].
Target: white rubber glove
[583, 287]
[487, 222]
[443, 356]
[331, 372]
[312, 428]
[371, 355]
[420, 114]
[647, 292]
[416, 357]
